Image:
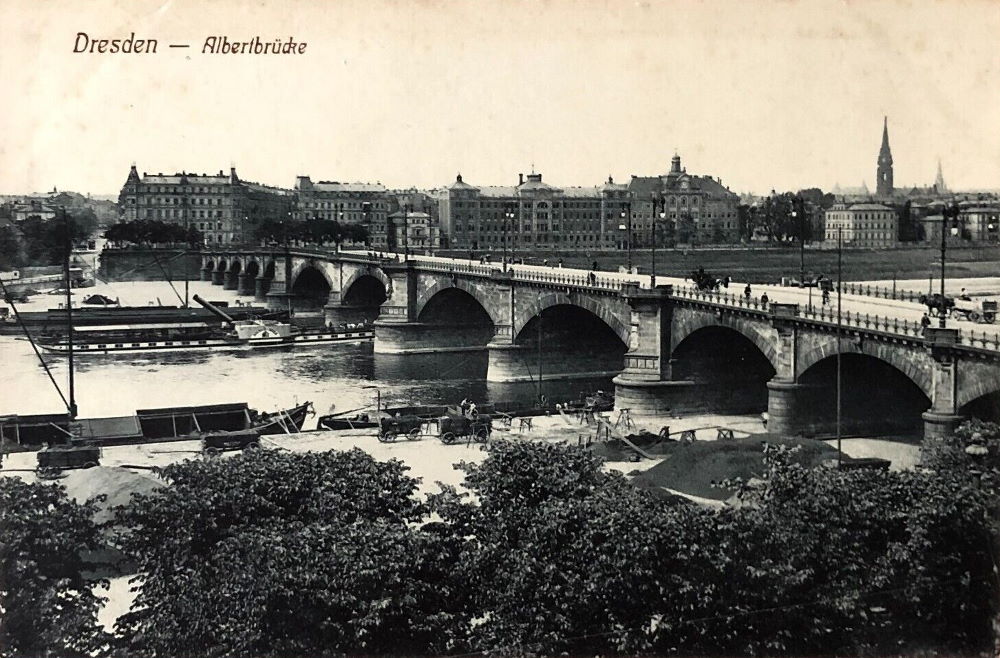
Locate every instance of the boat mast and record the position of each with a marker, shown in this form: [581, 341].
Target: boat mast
[539, 357]
[69, 313]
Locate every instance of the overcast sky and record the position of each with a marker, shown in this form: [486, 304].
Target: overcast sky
[764, 95]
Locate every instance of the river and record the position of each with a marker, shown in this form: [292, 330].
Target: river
[332, 376]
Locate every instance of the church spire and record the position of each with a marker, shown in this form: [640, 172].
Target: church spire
[939, 185]
[883, 175]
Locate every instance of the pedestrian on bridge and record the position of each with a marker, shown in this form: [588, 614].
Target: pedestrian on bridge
[925, 321]
[746, 292]
[764, 299]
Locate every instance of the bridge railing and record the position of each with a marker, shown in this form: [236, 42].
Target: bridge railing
[880, 292]
[884, 324]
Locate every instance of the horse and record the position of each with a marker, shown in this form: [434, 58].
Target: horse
[936, 304]
[705, 281]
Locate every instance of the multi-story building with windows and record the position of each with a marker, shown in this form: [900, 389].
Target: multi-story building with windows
[683, 203]
[223, 208]
[415, 231]
[530, 215]
[869, 225]
[346, 203]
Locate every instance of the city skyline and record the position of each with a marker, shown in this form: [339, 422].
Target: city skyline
[764, 95]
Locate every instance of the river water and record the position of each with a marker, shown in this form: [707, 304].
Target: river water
[332, 376]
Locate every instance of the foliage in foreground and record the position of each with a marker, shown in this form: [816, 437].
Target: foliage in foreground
[47, 607]
[275, 554]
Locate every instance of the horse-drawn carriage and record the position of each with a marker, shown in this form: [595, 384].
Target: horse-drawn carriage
[937, 305]
[705, 281]
[967, 309]
[961, 308]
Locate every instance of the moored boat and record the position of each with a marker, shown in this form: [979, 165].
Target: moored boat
[150, 425]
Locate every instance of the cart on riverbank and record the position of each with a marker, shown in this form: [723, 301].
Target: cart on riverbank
[391, 428]
[456, 426]
[212, 443]
[75, 455]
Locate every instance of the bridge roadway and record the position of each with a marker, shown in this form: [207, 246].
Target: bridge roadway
[954, 370]
[853, 304]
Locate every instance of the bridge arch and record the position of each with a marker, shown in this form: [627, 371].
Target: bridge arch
[878, 395]
[920, 376]
[236, 266]
[252, 268]
[603, 311]
[688, 321]
[310, 267]
[222, 265]
[425, 296]
[361, 277]
[311, 284]
[985, 406]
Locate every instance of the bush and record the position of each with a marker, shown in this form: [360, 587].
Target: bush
[47, 606]
[278, 554]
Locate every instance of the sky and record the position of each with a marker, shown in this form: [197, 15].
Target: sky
[762, 94]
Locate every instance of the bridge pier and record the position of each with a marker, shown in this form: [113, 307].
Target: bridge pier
[338, 313]
[645, 386]
[217, 277]
[785, 408]
[421, 338]
[230, 281]
[206, 274]
[244, 284]
[942, 418]
[260, 287]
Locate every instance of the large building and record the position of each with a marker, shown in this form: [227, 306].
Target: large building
[223, 208]
[531, 215]
[346, 203]
[687, 208]
[862, 225]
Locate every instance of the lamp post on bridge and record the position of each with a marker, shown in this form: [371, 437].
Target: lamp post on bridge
[406, 239]
[658, 202]
[626, 225]
[950, 212]
[508, 216]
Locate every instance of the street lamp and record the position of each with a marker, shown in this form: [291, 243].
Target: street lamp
[626, 225]
[508, 218]
[947, 213]
[658, 202]
[406, 240]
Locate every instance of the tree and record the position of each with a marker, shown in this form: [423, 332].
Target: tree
[686, 229]
[276, 554]
[47, 606]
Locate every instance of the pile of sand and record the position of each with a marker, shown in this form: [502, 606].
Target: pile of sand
[695, 468]
[118, 484]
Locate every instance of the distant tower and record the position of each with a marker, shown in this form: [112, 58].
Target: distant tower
[883, 178]
[675, 164]
[939, 185]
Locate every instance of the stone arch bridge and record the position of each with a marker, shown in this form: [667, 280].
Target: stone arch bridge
[680, 347]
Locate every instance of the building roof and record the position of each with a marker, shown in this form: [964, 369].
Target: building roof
[868, 206]
[178, 179]
[644, 186]
[459, 184]
[334, 186]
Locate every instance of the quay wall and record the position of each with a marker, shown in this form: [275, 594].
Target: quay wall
[140, 264]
